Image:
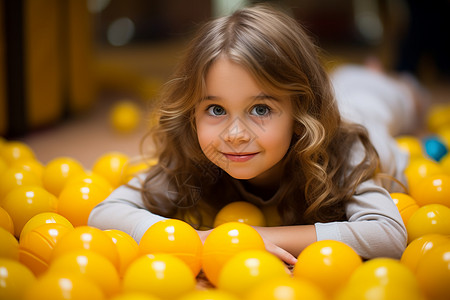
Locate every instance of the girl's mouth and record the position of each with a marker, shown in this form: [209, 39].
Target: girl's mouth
[239, 157]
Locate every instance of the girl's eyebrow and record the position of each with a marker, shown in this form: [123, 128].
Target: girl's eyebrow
[260, 96]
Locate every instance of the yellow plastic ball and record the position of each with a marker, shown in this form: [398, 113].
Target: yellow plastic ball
[166, 276]
[90, 178]
[286, 289]
[419, 247]
[15, 279]
[438, 117]
[76, 201]
[65, 286]
[174, 237]
[328, 264]
[31, 165]
[134, 168]
[91, 265]
[431, 218]
[411, 145]
[444, 134]
[88, 238]
[209, 294]
[6, 221]
[240, 211]
[419, 168]
[127, 247]
[375, 292]
[58, 171]
[25, 202]
[248, 268]
[13, 151]
[9, 245]
[224, 242]
[445, 164]
[134, 296]
[125, 117]
[382, 275]
[111, 166]
[433, 272]
[44, 218]
[434, 189]
[35, 248]
[3, 165]
[406, 205]
[15, 177]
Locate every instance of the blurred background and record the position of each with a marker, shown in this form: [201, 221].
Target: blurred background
[78, 77]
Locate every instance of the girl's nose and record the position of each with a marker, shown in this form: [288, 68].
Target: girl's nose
[237, 133]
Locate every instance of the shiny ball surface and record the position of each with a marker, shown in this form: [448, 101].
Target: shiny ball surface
[174, 237]
[224, 242]
[328, 264]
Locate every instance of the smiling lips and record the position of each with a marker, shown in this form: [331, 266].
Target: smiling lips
[239, 157]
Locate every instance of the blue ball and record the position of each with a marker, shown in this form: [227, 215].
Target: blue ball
[435, 148]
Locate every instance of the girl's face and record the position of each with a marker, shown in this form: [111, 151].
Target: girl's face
[243, 130]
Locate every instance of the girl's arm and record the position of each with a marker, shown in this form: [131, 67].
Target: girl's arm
[125, 211]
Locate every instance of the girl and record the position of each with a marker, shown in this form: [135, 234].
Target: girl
[251, 115]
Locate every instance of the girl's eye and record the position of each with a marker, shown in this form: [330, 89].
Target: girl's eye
[216, 110]
[260, 110]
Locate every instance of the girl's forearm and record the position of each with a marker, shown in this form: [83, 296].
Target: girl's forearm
[293, 239]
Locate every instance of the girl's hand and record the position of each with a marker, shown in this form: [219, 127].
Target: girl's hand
[282, 254]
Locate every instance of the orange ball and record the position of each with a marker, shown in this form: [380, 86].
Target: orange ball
[419, 247]
[431, 218]
[31, 165]
[13, 151]
[166, 276]
[383, 278]
[125, 116]
[16, 177]
[111, 166]
[420, 168]
[240, 211]
[127, 248]
[36, 247]
[88, 238]
[44, 218]
[433, 272]
[91, 265]
[411, 145]
[434, 189]
[328, 264]
[224, 242]
[6, 221]
[406, 205]
[63, 286]
[247, 269]
[15, 279]
[174, 237]
[58, 171]
[9, 245]
[286, 289]
[77, 200]
[90, 178]
[25, 202]
[134, 168]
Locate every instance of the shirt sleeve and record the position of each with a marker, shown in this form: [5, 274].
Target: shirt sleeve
[124, 210]
[374, 227]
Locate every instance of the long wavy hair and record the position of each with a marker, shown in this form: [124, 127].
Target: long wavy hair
[319, 176]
